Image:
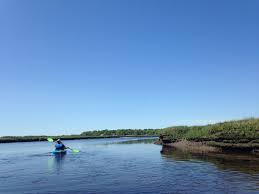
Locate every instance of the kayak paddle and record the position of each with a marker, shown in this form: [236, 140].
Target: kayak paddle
[50, 139]
[73, 150]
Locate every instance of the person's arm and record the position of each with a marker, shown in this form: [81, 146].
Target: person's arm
[65, 147]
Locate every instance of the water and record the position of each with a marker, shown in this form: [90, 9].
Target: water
[121, 165]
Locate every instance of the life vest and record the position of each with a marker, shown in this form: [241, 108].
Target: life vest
[59, 146]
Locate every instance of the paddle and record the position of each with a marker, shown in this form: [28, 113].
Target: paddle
[73, 150]
[50, 139]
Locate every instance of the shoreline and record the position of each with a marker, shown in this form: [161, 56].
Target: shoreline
[236, 136]
[210, 146]
[17, 139]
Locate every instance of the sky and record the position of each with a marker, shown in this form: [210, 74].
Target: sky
[72, 66]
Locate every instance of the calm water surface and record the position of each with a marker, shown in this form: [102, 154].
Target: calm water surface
[121, 165]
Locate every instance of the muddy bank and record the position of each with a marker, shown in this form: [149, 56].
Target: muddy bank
[194, 147]
[211, 146]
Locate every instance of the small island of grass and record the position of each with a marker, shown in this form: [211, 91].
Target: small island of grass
[237, 135]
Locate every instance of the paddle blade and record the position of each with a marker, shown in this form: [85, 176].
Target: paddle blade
[75, 151]
[50, 140]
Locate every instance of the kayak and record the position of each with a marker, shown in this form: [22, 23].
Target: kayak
[59, 152]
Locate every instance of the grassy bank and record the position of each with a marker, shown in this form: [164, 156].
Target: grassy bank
[247, 129]
[87, 135]
[237, 134]
[11, 139]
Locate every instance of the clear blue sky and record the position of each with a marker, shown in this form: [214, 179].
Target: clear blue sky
[71, 66]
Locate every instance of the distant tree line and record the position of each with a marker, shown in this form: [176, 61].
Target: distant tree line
[85, 135]
[123, 132]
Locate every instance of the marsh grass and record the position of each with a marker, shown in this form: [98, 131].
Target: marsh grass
[235, 130]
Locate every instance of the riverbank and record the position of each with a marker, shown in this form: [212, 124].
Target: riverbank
[13, 139]
[230, 136]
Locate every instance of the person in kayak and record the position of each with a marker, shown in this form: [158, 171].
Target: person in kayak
[59, 145]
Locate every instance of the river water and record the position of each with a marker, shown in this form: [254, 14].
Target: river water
[119, 165]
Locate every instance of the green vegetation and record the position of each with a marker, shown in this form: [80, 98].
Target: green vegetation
[86, 135]
[8, 139]
[239, 130]
[123, 132]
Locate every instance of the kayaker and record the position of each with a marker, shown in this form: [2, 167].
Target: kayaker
[59, 145]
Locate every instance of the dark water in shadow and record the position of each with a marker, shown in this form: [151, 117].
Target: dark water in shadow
[240, 162]
[125, 165]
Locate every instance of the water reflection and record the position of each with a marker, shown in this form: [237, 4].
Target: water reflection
[246, 163]
[131, 167]
[56, 162]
